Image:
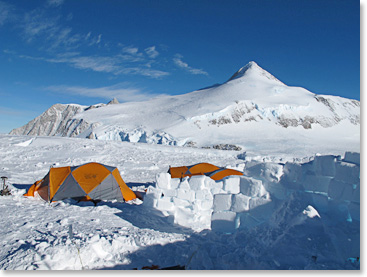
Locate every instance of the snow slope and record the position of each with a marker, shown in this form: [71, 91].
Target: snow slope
[296, 233]
[251, 104]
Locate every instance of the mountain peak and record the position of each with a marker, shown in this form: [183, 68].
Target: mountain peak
[113, 101]
[254, 70]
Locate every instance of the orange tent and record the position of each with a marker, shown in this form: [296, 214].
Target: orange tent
[91, 181]
[223, 172]
[213, 171]
[196, 169]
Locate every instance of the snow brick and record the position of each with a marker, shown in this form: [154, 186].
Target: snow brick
[347, 172]
[232, 184]
[180, 202]
[240, 203]
[217, 187]
[150, 201]
[206, 205]
[251, 187]
[163, 180]
[155, 192]
[165, 204]
[186, 194]
[183, 217]
[184, 184]
[336, 189]
[224, 221]
[169, 192]
[316, 183]
[175, 182]
[210, 183]
[325, 165]
[292, 172]
[197, 182]
[222, 202]
[204, 194]
[352, 157]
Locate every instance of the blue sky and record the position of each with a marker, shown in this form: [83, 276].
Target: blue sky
[89, 51]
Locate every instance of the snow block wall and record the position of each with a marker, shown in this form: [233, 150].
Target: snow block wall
[198, 202]
[243, 202]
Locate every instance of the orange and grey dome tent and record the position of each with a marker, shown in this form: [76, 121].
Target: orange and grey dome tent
[213, 171]
[223, 172]
[196, 169]
[90, 181]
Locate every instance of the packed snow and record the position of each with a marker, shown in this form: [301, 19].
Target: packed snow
[291, 209]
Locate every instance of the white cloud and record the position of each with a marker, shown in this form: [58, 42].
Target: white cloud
[131, 50]
[151, 52]
[181, 64]
[124, 92]
[113, 64]
[55, 3]
[5, 12]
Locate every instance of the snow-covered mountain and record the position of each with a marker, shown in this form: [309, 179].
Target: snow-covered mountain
[252, 107]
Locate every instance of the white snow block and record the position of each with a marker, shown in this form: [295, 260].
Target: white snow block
[154, 192]
[251, 187]
[184, 184]
[347, 172]
[197, 182]
[216, 187]
[354, 211]
[169, 192]
[205, 205]
[336, 189]
[210, 183]
[292, 172]
[224, 221]
[183, 217]
[325, 165]
[347, 192]
[204, 194]
[320, 202]
[200, 206]
[352, 157]
[150, 201]
[240, 203]
[175, 182]
[180, 202]
[204, 219]
[316, 183]
[165, 204]
[231, 184]
[186, 194]
[222, 202]
[163, 180]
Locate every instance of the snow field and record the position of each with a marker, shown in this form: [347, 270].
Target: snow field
[283, 231]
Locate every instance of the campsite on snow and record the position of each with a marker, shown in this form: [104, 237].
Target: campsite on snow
[248, 174]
